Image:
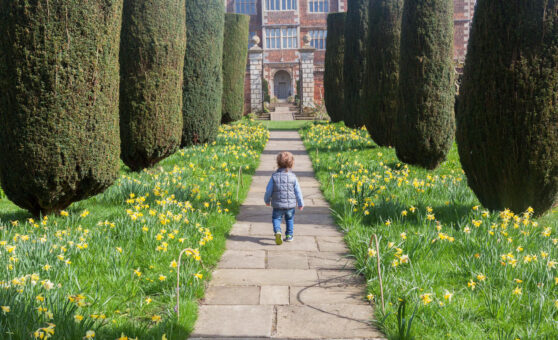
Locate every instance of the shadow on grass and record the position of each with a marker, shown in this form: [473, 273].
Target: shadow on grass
[453, 214]
[15, 214]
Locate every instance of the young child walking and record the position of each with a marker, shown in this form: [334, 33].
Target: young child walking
[284, 194]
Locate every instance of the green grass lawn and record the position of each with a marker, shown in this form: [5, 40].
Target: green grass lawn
[286, 125]
[109, 264]
[467, 272]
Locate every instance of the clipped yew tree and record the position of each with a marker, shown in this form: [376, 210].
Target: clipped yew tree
[507, 117]
[426, 119]
[334, 58]
[354, 64]
[59, 80]
[382, 77]
[152, 61]
[235, 53]
[203, 71]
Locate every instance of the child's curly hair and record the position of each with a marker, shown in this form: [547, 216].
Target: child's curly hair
[285, 160]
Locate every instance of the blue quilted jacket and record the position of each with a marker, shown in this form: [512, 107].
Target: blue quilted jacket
[283, 190]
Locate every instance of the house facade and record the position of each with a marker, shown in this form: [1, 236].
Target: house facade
[281, 26]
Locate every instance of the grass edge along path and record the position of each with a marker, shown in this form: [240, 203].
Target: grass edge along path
[106, 268]
[464, 272]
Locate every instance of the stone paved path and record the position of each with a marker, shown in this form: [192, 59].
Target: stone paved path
[306, 289]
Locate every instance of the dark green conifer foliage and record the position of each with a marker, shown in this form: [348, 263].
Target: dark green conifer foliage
[334, 92]
[354, 65]
[382, 78]
[152, 61]
[426, 119]
[507, 118]
[59, 79]
[235, 53]
[265, 86]
[203, 71]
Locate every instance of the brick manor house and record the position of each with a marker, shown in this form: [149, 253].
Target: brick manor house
[282, 53]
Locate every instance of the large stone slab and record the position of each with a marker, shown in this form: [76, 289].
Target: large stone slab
[243, 259]
[340, 278]
[307, 218]
[287, 260]
[240, 229]
[301, 243]
[234, 321]
[274, 295]
[327, 295]
[325, 322]
[266, 277]
[332, 243]
[323, 260]
[232, 295]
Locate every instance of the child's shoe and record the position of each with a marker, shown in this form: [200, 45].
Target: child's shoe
[289, 238]
[278, 240]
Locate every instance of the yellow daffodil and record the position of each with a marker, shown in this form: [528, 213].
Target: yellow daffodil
[448, 295]
[426, 298]
[156, 318]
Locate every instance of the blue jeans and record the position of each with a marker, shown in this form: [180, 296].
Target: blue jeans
[289, 220]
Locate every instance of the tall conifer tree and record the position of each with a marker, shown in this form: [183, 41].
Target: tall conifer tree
[59, 80]
[334, 85]
[152, 61]
[426, 119]
[235, 52]
[354, 65]
[382, 79]
[507, 117]
[203, 71]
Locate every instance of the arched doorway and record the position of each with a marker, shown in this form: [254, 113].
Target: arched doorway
[282, 85]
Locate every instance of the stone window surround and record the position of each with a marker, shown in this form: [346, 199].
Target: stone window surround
[281, 28]
[318, 39]
[250, 7]
[283, 5]
[313, 4]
